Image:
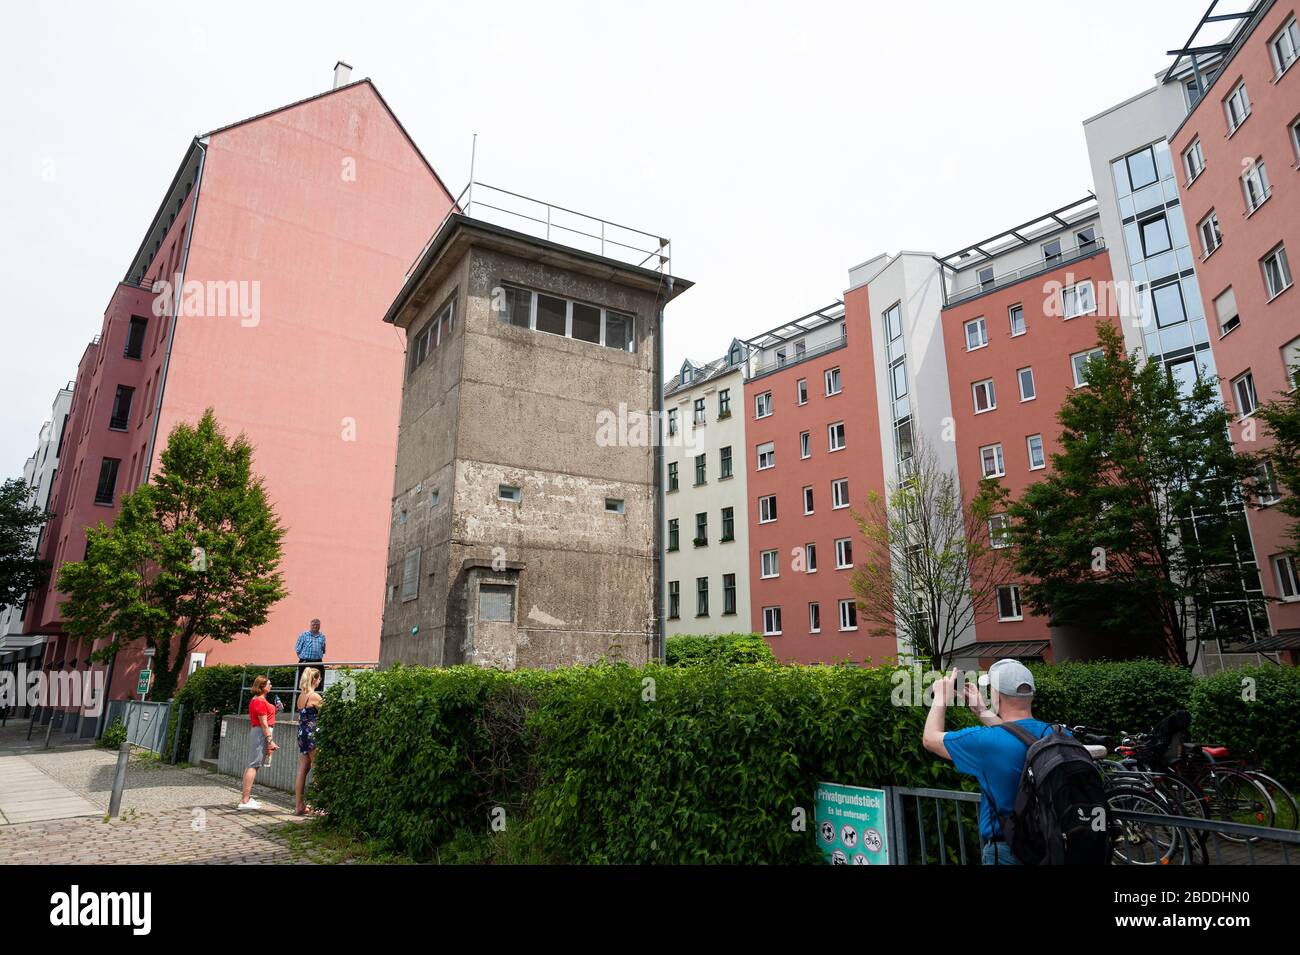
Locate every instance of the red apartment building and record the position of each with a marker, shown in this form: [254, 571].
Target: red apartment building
[1239, 149]
[812, 454]
[1019, 321]
[299, 226]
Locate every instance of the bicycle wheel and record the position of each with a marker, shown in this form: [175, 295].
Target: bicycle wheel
[1287, 814]
[1236, 797]
[1141, 843]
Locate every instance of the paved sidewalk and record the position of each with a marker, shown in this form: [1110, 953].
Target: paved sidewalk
[28, 795]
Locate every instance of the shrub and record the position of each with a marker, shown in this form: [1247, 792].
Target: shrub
[691, 650]
[114, 736]
[215, 689]
[1266, 727]
[1131, 695]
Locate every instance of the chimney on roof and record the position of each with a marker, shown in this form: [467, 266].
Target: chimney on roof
[342, 74]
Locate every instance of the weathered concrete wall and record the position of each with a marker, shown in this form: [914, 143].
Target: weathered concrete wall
[426, 451]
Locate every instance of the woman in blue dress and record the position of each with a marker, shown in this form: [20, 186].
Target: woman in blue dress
[308, 710]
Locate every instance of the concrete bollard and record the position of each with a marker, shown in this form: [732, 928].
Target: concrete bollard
[119, 780]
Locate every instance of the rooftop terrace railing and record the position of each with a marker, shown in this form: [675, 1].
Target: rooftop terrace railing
[760, 368]
[1037, 267]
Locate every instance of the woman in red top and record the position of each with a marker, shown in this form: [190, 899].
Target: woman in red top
[261, 714]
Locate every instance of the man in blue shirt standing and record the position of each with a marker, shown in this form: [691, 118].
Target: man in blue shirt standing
[993, 756]
[310, 648]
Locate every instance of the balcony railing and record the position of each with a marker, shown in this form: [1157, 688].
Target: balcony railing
[1046, 264]
[760, 368]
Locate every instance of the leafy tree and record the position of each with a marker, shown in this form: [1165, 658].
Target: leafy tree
[193, 555]
[1137, 529]
[1281, 418]
[931, 571]
[21, 571]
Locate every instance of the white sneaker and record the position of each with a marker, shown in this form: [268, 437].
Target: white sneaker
[251, 804]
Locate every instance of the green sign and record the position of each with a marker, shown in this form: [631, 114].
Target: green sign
[852, 825]
[142, 687]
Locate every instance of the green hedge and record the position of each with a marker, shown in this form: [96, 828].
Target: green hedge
[1132, 695]
[612, 763]
[215, 689]
[1260, 717]
[692, 650]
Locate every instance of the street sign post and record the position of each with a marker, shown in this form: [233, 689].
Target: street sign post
[852, 824]
[142, 686]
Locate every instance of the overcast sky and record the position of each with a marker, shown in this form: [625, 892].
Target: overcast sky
[775, 144]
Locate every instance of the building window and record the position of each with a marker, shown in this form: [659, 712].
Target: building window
[433, 498]
[508, 492]
[724, 403]
[429, 337]
[1225, 307]
[766, 456]
[701, 596]
[1254, 185]
[843, 553]
[672, 476]
[700, 417]
[1277, 272]
[411, 575]
[780, 357]
[1285, 47]
[674, 534]
[977, 334]
[1009, 602]
[999, 531]
[805, 444]
[810, 558]
[107, 486]
[814, 617]
[768, 564]
[898, 378]
[1078, 300]
[1025, 376]
[808, 500]
[614, 505]
[672, 421]
[674, 599]
[1193, 160]
[135, 336]
[1290, 364]
[688, 374]
[702, 529]
[1267, 493]
[1243, 388]
[1211, 237]
[893, 322]
[496, 602]
[767, 509]
[985, 276]
[801, 391]
[1167, 300]
[515, 306]
[832, 381]
[835, 436]
[728, 594]
[1288, 585]
[991, 462]
[1051, 252]
[771, 621]
[1237, 106]
[701, 467]
[985, 399]
[735, 355]
[1295, 137]
[763, 405]
[1037, 457]
[576, 320]
[728, 524]
[839, 493]
[724, 463]
[1016, 313]
[1079, 365]
[1155, 236]
[848, 615]
[1085, 240]
[121, 416]
[1141, 168]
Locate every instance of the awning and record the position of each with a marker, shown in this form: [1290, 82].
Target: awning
[1282, 640]
[1006, 649]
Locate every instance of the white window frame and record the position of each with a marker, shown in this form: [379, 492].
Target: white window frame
[999, 530]
[1242, 99]
[1234, 320]
[810, 557]
[766, 451]
[843, 544]
[568, 321]
[1266, 477]
[1212, 237]
[848, 611]
[986, 389]
[831, 434]
[1029, 450]
[980, 325]
[992, 279]
[769, 559]
[1295, 137]
[1255, 187]
[805, 445]
[1011, 321]
[1075, 368]
[771, 615]
[1077, 298]
[767, 505]
[999, 459]
[1285, 575]
[801, 391]
[1014, 589]
[808, 500]
[835, 493]
[814, 616]
[1020, 383]
[763, 405]
[1193, 152]
[833, 380]
[1284, 47]
[1249, 397]
[1277, 253]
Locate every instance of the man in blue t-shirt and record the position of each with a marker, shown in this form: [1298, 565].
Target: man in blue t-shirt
[993, 756]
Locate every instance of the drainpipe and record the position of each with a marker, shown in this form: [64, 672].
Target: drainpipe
[661, 585]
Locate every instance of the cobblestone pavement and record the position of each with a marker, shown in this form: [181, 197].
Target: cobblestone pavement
[169, 814]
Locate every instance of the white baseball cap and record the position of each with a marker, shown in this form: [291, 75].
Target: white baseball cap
[1009, 678]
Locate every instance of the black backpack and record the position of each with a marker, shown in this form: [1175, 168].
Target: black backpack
[1059, 815]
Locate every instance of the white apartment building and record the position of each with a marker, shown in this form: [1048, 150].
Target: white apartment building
[706, 541]
[38, 472]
